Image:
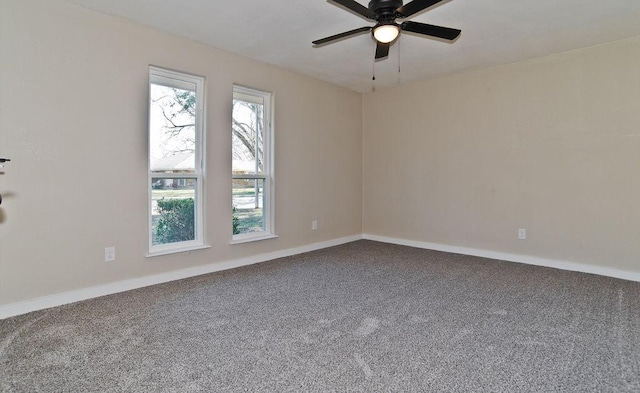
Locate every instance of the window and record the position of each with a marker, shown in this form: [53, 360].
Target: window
[176, 162]
[252, 170]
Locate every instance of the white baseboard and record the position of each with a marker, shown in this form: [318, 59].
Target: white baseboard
[23, 307]
[27, 306]
[526, 259]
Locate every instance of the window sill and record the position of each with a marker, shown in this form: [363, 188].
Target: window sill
[253, 239]
[177, 250]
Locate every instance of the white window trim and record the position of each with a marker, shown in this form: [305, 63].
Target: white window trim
[268, 152]
[171, 78]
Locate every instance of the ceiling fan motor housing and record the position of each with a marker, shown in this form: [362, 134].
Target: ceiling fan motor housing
[385, 10]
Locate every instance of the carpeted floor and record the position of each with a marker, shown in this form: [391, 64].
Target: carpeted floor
[364, 316]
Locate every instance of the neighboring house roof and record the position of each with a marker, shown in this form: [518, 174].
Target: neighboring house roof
[242, 166]
[177, 162]
[185, 161]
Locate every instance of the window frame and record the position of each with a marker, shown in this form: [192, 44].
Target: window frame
[267, 175]
[170, 78]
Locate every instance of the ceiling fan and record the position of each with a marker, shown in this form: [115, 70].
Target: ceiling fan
[386, 30]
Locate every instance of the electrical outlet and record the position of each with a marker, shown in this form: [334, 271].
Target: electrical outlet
[314, 225]
[109, 254]
[522, 233]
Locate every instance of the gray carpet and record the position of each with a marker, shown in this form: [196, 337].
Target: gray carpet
[364, 317]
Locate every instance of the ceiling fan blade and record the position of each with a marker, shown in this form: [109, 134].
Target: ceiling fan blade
[431, 30]
[357, 8]
[382, 50]
[415, 6]
[341, 35]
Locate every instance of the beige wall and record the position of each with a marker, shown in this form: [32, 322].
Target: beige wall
[73, 119]
[551, 145]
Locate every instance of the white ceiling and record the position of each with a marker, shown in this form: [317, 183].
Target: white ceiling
[280, 32]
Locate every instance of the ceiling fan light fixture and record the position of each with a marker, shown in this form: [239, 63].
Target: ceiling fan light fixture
[386, 33]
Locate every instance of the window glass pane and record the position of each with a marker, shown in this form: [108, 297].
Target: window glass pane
[172, 131]
[173, 210]
[247, 134]
[248, 206]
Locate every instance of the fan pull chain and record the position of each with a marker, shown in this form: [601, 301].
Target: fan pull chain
[373, 73]
[373, 69]
[399, 57]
